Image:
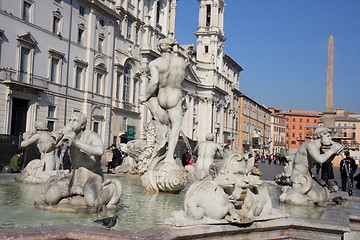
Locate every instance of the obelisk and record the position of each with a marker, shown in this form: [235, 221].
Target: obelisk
[328, 117]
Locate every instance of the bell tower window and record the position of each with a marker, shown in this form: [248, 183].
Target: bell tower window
[208, 15]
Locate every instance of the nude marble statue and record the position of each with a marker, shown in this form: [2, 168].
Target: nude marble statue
[86, 180]
[43, 141]
[302, 189]
[206, 152]
[164, 94]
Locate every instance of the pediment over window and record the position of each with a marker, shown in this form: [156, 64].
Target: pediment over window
[57, 13]
[101, 67]
[27, 39]
[80, 62]
[56, 54]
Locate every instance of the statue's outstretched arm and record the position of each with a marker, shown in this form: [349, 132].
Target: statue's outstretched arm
[30, 140]
[321, 158]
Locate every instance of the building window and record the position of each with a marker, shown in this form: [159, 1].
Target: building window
[300, 119]
[129, 26]
[293, 135]
[26, 11]
[54, 70]
[125, 123]
[50, 126]
[24, 64]
[78, 77]
[81, 10]
[118, 84]
[206, 49]
[293, 119]
[314, 120]
[80, 67]
[26, 43]
[134, 92]
[80, 35]
[293, 127]
[120, 25]
[300, 127]
[56, 25]
[136, 34]
[307, 120]
[55, 65]
[51, 111]
[126, 88]
[158, 11]
[208, 14]
[99, 77]
[102, 22]
[96, 127]
[293, 142]
[101, 43]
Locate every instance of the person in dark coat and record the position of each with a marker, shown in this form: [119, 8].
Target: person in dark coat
[347, 169]
[117, 158]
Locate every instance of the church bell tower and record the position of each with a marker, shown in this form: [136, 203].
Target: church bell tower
[210, 33]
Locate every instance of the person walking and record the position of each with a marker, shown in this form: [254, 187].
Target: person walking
[347, 169]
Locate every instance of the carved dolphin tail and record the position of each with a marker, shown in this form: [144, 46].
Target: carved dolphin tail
[110, 193]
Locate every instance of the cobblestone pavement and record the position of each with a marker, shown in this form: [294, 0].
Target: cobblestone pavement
[271, 170]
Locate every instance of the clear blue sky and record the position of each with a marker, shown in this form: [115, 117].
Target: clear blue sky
[282, 45]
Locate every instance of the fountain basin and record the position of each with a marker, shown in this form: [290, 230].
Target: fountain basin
[141, 216]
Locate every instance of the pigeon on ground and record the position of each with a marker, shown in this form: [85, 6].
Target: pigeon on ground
[108, 222]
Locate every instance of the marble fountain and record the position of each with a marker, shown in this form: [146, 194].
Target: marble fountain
[223, 199]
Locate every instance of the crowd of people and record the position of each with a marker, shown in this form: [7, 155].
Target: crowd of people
[271, 158]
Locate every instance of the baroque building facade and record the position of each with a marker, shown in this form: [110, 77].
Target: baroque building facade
[254, 127]
[300, 125]
[62, 56]
[278, 129]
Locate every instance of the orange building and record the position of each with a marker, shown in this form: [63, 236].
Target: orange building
[300, 126]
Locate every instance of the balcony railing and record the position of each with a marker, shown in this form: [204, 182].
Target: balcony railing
[12, 76]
